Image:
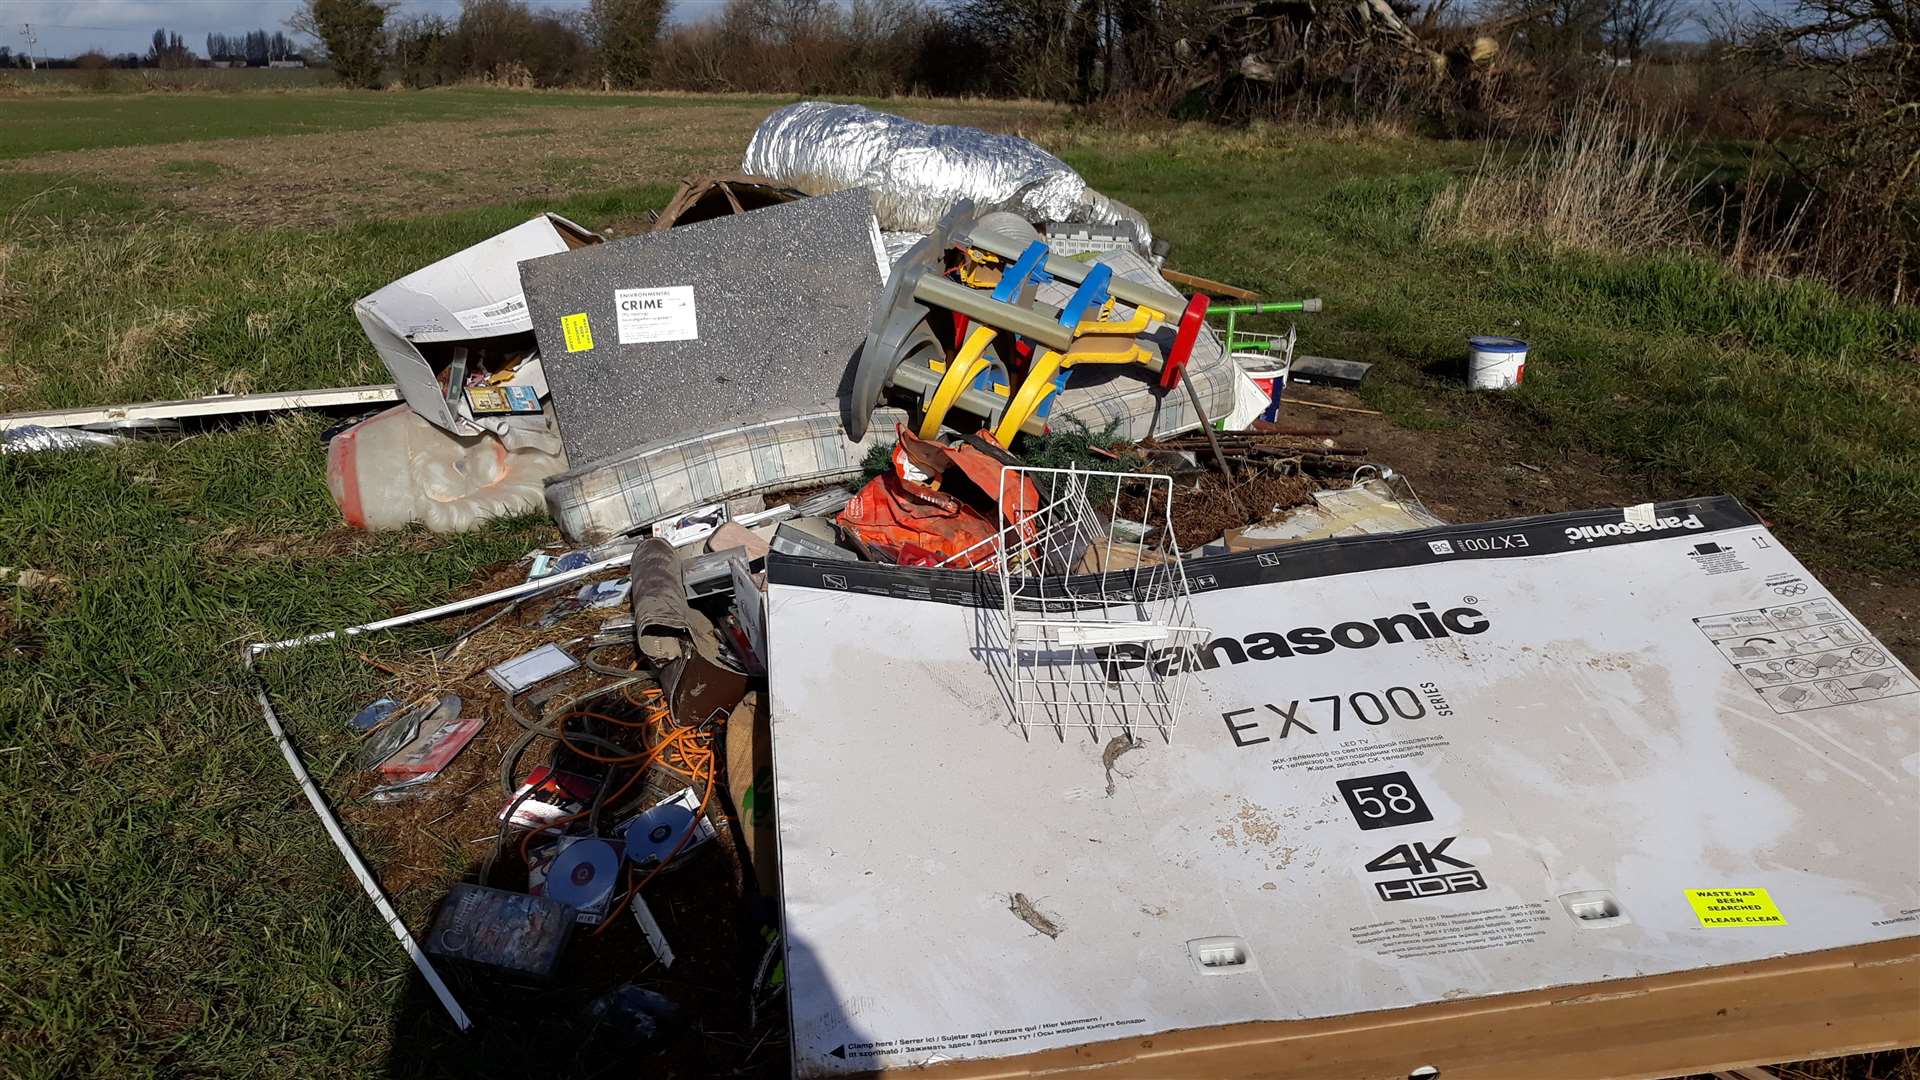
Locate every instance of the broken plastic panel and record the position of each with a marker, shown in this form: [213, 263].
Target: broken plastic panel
[528, 669]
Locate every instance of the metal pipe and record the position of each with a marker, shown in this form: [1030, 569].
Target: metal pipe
[361, 872]
[536, 585]
[1206, 425]
[217, 405]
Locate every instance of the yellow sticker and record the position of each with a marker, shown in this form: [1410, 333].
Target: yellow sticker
[1734, 907]
[579, 334]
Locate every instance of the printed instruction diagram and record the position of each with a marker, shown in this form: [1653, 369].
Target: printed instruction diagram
[1805, 655]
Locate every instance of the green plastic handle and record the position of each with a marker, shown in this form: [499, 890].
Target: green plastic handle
[1266, 307]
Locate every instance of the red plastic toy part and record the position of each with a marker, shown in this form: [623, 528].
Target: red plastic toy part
[1191, 320]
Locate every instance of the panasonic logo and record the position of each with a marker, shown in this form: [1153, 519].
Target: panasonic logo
[1421, 624]
[1587, 534]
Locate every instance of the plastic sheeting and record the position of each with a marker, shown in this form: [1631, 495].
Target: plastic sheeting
[917, 171]
[33, 438]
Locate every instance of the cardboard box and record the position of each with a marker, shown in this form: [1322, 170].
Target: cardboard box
[469, 297]
[1588, 794]
[750, 783]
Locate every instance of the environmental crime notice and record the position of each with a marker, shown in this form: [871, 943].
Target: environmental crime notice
[644, 315]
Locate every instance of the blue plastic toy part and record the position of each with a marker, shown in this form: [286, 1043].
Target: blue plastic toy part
[1026, 266]
[993, 378]
[1059, 384]
[1091, 293]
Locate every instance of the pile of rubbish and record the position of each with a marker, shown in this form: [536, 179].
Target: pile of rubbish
[1259, 51]
[890, 372]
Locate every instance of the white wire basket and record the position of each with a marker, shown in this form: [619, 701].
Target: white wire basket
[1098, 616]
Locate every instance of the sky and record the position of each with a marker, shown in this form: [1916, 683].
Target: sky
[71, 27]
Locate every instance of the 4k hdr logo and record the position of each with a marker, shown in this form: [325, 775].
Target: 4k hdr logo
[1430, 872]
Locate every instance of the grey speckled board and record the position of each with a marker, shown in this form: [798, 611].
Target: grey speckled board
[704, 327]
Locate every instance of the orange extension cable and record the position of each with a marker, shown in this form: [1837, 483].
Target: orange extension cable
[683, 751]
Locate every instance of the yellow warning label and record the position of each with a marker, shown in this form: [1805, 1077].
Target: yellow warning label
[1734, 907]
[579, 334]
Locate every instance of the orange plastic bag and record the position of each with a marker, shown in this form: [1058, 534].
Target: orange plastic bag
[906, 520]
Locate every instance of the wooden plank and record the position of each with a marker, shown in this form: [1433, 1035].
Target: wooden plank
[1207, 285]
[1824, 1004]
[216, 405]
[1332, 408]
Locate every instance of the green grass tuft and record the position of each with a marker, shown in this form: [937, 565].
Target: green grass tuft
[197, 310]
[1802, 403]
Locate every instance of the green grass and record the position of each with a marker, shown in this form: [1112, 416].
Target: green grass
[43, 124]
[1804, 404]
[167, 904]
[195, 310]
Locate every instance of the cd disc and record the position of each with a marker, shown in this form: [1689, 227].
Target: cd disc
[583, 876]
[652, 836]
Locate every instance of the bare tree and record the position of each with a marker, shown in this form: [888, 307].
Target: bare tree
[418, 45]
[1556, 29]
[1030, 43]
[1632, 25]
[168, 51]
[1852, 69]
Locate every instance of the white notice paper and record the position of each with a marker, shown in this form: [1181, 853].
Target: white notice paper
[510, 313]
[655, 314]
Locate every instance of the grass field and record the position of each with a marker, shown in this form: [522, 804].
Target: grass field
[167, 906]
[43, 124]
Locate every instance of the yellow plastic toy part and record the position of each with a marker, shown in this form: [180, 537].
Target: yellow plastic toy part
[967, 365]
[1142, 318]
[1033, 390]
[981, 270]
[1038, 384]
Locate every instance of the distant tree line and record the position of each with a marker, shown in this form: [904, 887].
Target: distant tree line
[255, 48]
[1060, 49]
[168, 51]
[1013, 47]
